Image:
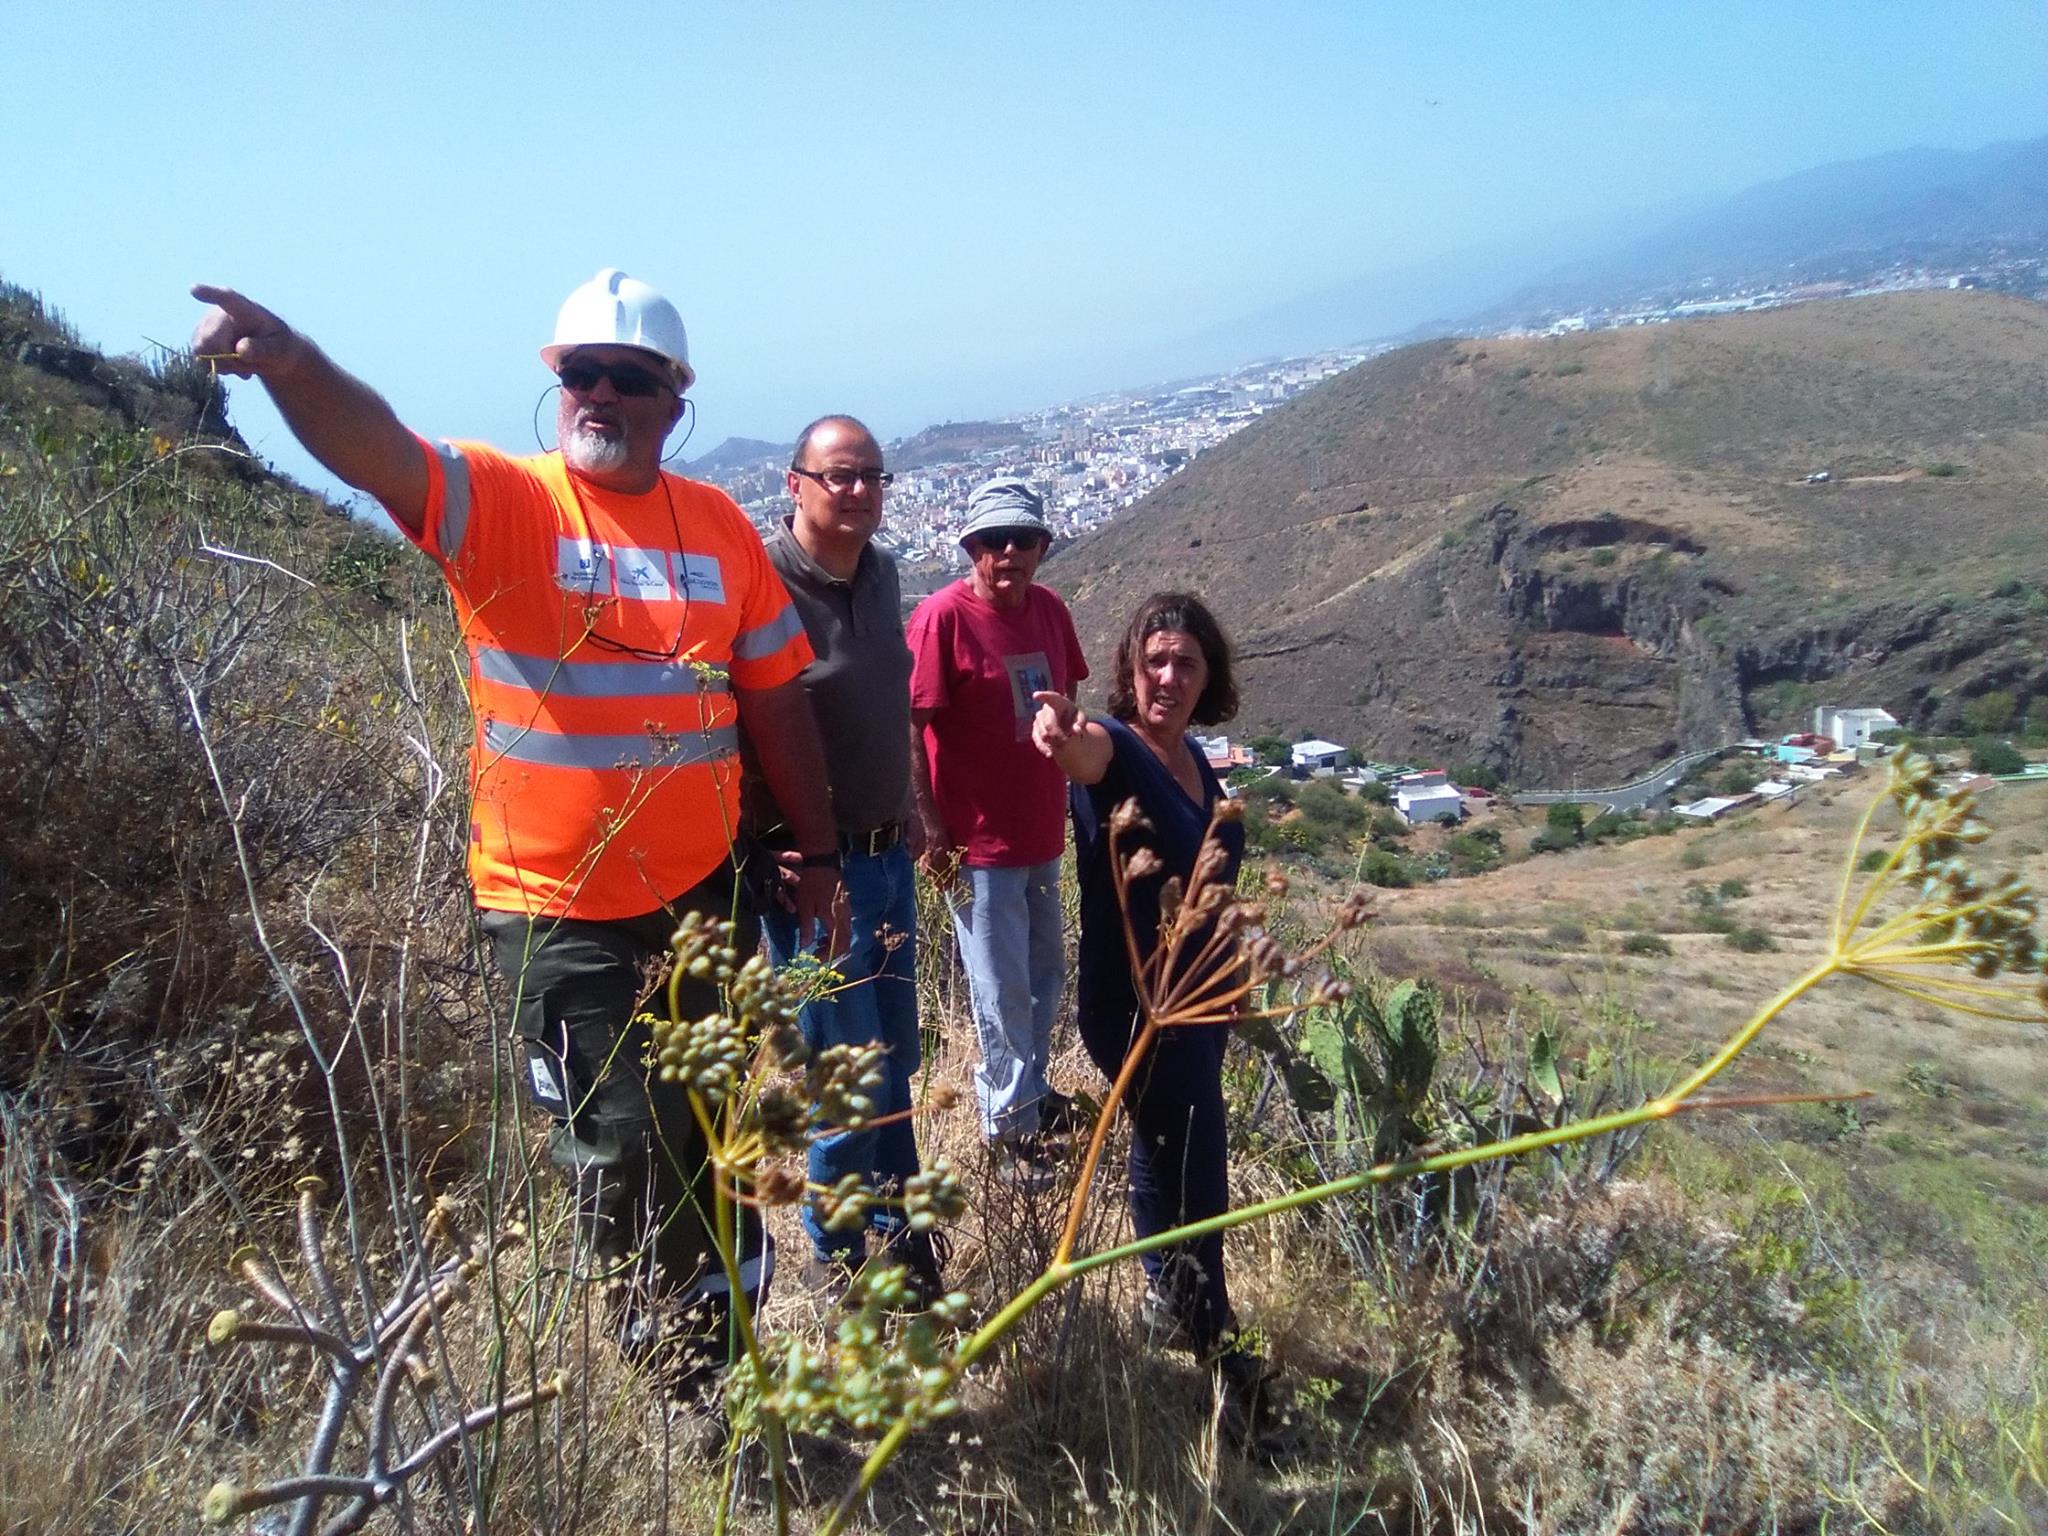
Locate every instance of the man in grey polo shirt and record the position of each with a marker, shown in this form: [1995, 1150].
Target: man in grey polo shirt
[846, 592]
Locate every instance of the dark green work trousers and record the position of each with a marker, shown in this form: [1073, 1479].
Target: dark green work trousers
[633, 1154]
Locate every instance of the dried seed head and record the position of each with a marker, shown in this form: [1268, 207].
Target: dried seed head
[1143, 864]
[779, 1185]
[1128, 817]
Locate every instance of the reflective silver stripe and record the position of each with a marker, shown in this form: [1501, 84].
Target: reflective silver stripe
[597, 679]
[767, 639]
[454, 499]
[551, 749]
[754, 1274]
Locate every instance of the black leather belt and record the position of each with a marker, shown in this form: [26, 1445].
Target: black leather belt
[879, 841]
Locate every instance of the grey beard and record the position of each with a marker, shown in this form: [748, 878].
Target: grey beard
[593, 454]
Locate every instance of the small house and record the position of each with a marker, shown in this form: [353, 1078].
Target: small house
[1852, 728]
[1425, 796]
[1317, 758]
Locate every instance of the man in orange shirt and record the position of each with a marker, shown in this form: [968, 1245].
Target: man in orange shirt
[622, 624]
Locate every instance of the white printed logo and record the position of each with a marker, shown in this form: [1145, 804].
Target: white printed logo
[698, 577]
[545, 1088]
[643, 573]
[584, 566]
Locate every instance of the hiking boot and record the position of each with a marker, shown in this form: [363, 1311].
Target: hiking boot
[1060, 1115]
[1251, 1416]
[923, 1256]
[1022, 1163]
[1160, 1323]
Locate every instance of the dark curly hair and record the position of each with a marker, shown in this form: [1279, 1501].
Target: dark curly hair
[1183, 613]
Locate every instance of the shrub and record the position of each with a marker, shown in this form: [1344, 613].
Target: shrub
[1871, 860]
[1376, 793]
[1385, 867]
[1732, 889]
[1740, 778]
[1567, 822]
[1990, 714]
[1942, 469]
[1566, 370]
[1646, 944]
[1751, 940]
[1604, 555]
[1567, 932]
[1988, 754]
[1324, 803]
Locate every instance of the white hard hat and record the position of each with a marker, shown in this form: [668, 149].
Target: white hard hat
[614, 310]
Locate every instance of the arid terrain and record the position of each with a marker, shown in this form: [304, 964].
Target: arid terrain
[1582, 554]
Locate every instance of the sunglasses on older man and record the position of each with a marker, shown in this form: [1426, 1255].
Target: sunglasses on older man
[629, 379]
[996, 540]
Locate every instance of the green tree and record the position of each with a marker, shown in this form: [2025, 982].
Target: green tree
[1740, 778]
[1990, 714]
[1273, 750]
[1565, 822]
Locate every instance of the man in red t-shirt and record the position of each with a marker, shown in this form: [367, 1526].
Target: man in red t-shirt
[989, 802]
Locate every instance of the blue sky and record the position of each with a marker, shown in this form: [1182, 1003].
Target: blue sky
[912, 212]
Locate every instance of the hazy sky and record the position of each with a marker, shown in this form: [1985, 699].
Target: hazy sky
[912, 212]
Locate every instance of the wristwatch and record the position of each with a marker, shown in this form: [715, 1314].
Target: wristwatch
[827, 860]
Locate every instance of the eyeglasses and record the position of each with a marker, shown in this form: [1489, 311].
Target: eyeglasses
[840, 481]
[629, 379]
[996, 540]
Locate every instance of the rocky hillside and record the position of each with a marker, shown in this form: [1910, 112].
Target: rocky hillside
[1579, 555]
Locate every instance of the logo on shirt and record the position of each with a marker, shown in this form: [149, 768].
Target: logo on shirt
[1029, 673]
[583, 566]
[698, 577]
[643, 573]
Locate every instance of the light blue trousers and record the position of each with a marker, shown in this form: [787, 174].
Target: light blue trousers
[1009, 926]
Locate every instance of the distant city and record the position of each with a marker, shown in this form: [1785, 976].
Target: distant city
[1094, 457]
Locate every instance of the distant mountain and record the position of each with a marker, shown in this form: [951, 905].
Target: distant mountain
[1928, 204]
[738, 453]
[953, 441]
[1572, 557]
[1933, 206]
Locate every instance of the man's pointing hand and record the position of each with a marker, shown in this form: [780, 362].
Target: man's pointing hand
[241, 337]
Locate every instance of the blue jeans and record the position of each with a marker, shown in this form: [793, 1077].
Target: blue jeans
[1179, 1160]
[875, 1004]
[1009, 926]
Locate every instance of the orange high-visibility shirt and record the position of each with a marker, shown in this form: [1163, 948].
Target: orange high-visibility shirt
[605, 635]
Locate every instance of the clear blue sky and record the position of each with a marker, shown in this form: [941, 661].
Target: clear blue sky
[912, 212]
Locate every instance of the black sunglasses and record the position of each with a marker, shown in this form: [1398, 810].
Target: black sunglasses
[628, 379]
[996, 540]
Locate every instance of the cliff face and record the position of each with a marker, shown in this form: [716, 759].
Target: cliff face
[1578, 556]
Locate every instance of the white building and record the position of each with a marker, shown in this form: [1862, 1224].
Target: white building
[1425, 796]
[1317, 757]
[1851, 728]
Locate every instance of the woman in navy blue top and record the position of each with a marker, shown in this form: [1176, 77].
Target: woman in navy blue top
[1172, 670]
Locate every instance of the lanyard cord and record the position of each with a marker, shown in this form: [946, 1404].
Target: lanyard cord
[589, 536]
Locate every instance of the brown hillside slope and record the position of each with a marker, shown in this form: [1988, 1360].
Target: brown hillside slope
[1579, 555]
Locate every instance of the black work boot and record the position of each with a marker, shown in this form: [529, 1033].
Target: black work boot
[1252, 1419]
[923, 1256]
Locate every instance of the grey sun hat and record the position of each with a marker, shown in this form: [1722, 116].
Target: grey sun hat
[1008, 501]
